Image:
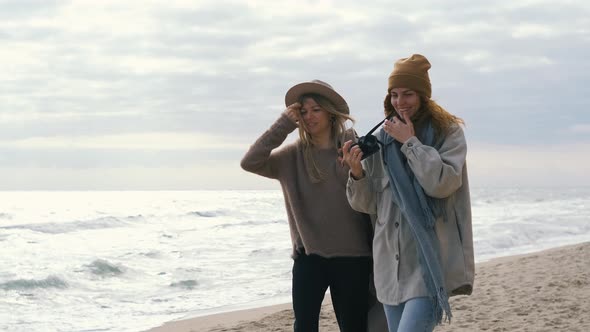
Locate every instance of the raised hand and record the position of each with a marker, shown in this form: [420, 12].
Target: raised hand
[293, 111]
[398, 129]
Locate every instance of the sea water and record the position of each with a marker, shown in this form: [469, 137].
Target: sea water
[128, 261]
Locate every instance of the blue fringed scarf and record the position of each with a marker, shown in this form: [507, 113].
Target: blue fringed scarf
[420, 211]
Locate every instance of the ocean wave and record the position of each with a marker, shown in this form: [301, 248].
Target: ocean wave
[104, 268]
[207, 214]
[138, 217]
[262, 252]
[151, 270]
[185, 284]
[67, 227]
[251, 223]
[152, 254]
[25, 284]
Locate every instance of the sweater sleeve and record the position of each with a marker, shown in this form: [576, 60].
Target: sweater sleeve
[438, 171]
[260, 158]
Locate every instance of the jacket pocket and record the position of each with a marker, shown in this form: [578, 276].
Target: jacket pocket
[383, 197]
[459, 231]
[453, 256]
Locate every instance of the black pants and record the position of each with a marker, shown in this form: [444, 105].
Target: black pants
[348, 279]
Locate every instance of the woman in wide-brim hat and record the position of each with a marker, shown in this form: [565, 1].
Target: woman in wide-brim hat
[330, 241]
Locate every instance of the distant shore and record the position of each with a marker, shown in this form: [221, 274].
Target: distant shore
[542, 291]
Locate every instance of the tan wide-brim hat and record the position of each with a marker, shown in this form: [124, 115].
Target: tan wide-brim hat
[320, 88]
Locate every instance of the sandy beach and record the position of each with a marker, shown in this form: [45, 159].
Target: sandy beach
[542, 291]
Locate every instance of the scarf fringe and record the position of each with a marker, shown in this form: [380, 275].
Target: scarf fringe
[442, 309]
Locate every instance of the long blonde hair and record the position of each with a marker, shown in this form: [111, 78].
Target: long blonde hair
[429, 109]
[337, 135]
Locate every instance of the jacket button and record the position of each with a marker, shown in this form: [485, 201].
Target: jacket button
[396, 224]
[396, 257]
[410, 144]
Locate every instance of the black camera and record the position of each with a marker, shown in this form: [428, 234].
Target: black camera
[369, 145]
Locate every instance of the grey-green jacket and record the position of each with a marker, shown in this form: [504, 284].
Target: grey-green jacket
[442, 174]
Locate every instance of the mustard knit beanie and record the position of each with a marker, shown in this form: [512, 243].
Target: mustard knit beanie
[411, 73]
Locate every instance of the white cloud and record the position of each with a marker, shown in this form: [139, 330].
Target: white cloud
[12, 118]
[200, 176]
[22, 57]
[534, 30]
[150, 65]
[514, 62]
[517, 165]
[135, 141]
[458, 31]
[185, 75]
[580, 129]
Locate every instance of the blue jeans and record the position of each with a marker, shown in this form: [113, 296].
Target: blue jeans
[414, 315]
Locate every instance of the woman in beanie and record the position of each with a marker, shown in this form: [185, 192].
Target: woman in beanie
[417, 189]
[331, 241]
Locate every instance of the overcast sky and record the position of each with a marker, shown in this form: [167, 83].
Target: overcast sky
[170, 94]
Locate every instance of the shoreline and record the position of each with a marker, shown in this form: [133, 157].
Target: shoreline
[544, 290]
[222, 319]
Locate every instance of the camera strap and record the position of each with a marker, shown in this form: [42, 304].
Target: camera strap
[380, 123]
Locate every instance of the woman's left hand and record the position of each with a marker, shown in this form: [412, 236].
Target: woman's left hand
[398, 129]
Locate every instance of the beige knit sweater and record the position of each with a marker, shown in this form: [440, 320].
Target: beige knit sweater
[321, 220]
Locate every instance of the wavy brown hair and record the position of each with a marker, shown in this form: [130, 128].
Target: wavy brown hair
[429, 109]
[338, 135]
